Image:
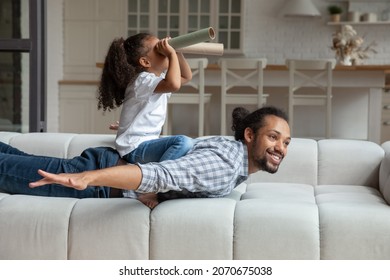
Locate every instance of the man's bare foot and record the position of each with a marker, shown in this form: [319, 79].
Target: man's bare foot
[149, 199]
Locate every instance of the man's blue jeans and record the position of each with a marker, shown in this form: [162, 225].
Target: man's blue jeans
[164, 148]
[18, 169]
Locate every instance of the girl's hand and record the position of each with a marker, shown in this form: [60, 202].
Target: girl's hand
[114, 126]
[164, 48]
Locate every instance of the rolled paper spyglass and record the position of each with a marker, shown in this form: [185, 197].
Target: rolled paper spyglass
[194, 43]
[192, 38]
[203, 49]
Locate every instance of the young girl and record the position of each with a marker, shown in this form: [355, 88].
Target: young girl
[140, 73]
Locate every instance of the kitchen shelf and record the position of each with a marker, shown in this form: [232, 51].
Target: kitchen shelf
[359, 23]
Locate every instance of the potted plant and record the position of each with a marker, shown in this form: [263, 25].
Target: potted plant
[335, 12]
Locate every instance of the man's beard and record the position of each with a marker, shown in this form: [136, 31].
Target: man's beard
[263, 164]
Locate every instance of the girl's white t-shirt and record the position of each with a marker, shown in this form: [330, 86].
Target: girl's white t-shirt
[143, 113]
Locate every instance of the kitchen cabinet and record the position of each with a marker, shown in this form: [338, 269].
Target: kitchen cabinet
[78, 109]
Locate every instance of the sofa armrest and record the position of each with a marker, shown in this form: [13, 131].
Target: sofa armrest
[384, 173]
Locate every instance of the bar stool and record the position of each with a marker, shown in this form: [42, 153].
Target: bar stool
[197, 96]
[316, 76]
[238, 75]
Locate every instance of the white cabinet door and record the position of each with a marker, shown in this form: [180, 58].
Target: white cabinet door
[79, 112]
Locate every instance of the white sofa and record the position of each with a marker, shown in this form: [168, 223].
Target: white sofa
[329, 200]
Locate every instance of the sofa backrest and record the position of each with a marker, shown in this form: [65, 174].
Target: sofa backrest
[349, 162]
[384, 174]
[323, 162]
[63, 145]
[299, 165]
[328, 162]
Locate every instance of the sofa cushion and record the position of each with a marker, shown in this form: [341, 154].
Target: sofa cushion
[193, 229]
[384, 173]
[115, 228]
[83, 141]
[6, 136]
[354, 223]
[282, 224]
[349, 162]
[63, 145]
[293, 169]
[34, 227]
[3, 195]
[44, 144]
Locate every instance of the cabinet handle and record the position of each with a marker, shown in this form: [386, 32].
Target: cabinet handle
[386, 107]
[386, 123]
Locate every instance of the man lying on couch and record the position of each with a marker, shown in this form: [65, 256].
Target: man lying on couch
[212, 168]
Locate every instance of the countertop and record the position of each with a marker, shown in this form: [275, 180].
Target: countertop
[269, 67]
[282, 67]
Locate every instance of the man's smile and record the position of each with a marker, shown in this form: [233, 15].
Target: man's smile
[274, 157]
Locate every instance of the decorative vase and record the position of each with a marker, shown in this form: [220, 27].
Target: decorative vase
[346, 60]
[353, 16]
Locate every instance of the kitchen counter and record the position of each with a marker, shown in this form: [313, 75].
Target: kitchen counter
[371, 67]
[282, 67]
[385, 68]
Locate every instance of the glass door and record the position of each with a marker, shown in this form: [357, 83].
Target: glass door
[22, 90]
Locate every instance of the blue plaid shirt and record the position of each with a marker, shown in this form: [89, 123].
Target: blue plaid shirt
[212, 168]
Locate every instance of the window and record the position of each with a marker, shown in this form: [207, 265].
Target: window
[22, 80]
[138, 19]
[176, 17]
[229, 23]
[199, 15]
[168, 18]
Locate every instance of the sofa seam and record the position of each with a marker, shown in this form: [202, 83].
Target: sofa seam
[319, 223]
[68, 235]
[68, 145]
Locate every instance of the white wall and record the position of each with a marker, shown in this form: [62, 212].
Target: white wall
[266, 35]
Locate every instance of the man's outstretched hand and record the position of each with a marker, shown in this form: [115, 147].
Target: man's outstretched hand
[125, 177]
[72, 180]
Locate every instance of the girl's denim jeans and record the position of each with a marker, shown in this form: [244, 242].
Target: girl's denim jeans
[164, 148]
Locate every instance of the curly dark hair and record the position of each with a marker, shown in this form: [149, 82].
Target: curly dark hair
[242, 119]
[121, 68]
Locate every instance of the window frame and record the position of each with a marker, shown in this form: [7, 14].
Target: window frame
[183, 21]
[35, 46]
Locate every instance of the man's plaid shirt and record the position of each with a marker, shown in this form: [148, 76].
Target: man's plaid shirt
[213, 168]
